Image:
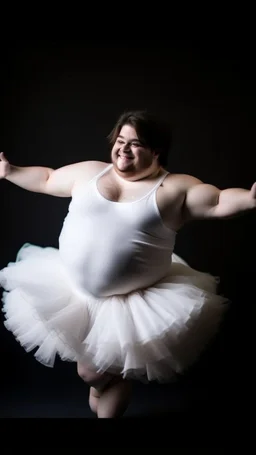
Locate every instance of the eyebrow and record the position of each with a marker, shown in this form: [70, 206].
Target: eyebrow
[131, 140]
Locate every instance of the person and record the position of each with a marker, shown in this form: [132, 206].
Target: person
[114, 297]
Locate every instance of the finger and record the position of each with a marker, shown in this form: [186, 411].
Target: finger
[2, 157]
[253, 189]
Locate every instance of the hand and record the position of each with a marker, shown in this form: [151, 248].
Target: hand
[253, 192]
[5, 166]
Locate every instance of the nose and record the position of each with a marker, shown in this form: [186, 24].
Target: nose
[125, 147]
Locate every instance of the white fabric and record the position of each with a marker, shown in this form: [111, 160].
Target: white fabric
[149, 327]
[114, 248]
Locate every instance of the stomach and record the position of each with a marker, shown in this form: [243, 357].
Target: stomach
[104, 261]
[116, 272]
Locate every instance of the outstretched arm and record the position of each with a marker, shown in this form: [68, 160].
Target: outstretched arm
[207, 201]
[39, 179]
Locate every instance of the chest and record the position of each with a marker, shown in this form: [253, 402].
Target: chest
[167, 200]
[115, 191]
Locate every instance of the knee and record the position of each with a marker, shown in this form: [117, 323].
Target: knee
[92, 378]
[87, 374]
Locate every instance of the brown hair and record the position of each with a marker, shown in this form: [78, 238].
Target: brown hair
[153, 133]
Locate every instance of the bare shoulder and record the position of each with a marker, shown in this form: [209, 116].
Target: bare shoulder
[63, 180]
[171, 198]
[90, 167]
[86, 170]
[180, 182]
[87, 165]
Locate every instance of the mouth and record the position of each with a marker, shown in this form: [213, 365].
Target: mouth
[125, 157]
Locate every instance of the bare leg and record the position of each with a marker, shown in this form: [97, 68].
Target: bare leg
[109, 394]
[94, 399]
[114, 399]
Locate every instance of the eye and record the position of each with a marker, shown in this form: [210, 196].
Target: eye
[136, 144]
[119, 141]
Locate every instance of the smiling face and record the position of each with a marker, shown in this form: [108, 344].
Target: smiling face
[130, 157]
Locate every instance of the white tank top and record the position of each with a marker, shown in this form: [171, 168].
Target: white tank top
[112, 248]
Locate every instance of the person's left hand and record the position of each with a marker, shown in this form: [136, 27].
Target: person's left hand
[253, 194]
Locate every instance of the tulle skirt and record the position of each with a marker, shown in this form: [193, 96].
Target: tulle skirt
[151, 334]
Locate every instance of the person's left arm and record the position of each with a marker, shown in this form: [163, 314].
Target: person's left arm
[207, 201]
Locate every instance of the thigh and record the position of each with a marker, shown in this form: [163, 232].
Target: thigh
[97, 380]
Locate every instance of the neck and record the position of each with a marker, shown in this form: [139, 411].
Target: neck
[136, 177]
[151, 175]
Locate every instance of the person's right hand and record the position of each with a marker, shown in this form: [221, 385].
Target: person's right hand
[5, 166]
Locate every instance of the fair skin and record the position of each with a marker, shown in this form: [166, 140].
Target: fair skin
[181, 198]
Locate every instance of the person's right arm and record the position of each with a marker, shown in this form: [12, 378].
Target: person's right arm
[44, 180]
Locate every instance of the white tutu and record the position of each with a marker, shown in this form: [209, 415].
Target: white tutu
[151, 334]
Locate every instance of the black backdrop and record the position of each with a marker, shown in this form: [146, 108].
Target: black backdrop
[60, 100]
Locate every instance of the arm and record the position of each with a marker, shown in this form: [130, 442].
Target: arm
[44, 180]
[207, 201]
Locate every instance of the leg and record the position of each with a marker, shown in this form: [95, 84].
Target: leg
[89, 375]
[97, 381]
[109, 394]
[94, 399]
[114, 399]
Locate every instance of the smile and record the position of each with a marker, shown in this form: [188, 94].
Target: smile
[125, 157]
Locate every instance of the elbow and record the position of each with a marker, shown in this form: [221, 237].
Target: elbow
[217, 197]
[49, 173]
[46, 181]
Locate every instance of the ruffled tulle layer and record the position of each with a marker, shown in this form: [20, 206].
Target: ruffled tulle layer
[150, 334]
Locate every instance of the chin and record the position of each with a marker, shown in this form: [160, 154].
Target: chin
[125, 169]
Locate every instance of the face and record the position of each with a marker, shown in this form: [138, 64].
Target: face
[130, 157]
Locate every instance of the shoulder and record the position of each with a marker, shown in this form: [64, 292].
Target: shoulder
[87, 170]
[181, 182]
[94, 166]
[91, 165]
[176, 188]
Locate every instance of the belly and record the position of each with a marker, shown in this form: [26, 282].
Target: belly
[103, 264]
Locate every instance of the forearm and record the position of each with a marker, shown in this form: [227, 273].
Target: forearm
[233, 201]
[32, 178]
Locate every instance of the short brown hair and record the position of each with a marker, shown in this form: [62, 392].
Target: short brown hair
[153, 133]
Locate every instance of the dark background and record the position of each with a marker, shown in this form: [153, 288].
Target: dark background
[60, 101]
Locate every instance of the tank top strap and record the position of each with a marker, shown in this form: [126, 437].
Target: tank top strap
[161, 179]
[159, 182]
[97, 176]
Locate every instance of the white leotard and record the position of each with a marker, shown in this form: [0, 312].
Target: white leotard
[112, 248]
